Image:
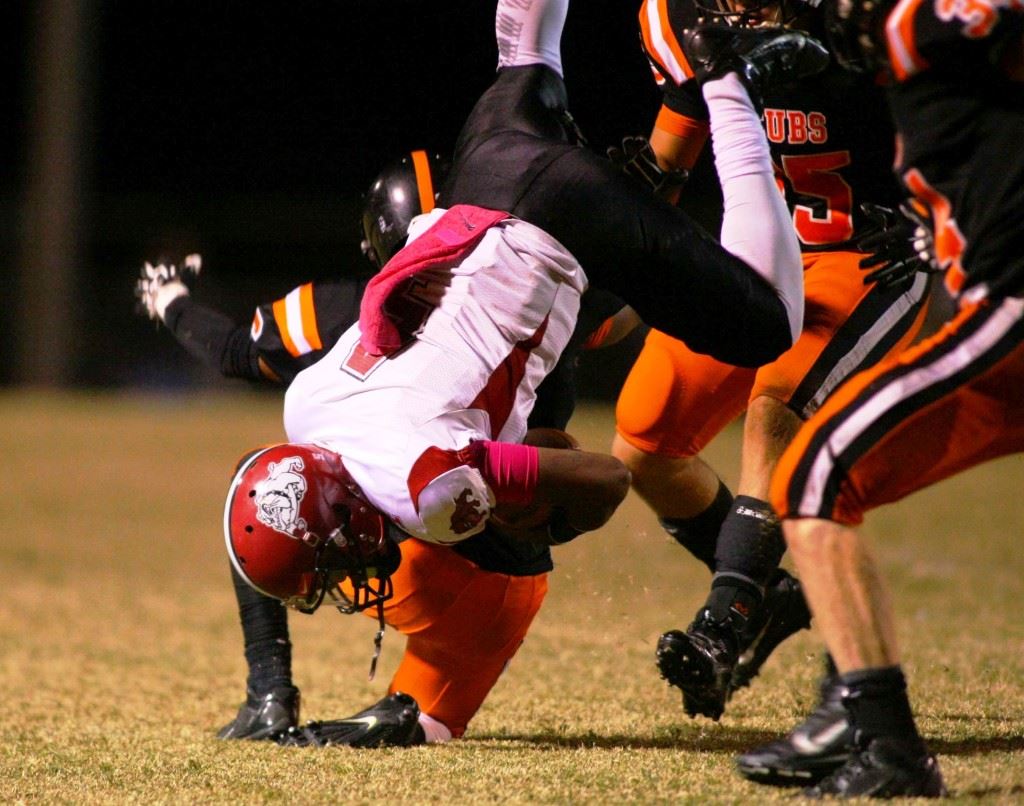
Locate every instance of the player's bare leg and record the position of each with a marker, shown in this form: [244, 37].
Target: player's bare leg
[673, 486]
[854, 611]
[684, 492]
[768, 429]
[753, 604]
[818, 745]
[846, 593]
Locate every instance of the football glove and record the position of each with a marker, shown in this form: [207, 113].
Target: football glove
[899, 244]
[158, 286]
[392, 722]
[636, 158]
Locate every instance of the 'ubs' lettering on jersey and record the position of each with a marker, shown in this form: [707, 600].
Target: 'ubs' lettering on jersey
[830, 135]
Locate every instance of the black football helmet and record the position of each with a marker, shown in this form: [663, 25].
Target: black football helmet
[856, 33]
[404, 189]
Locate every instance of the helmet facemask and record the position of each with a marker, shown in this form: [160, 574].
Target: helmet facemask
[753, 13]
[856, 35]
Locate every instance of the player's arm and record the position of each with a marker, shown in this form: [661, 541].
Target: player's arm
[207, 334]
[548, 494]
[681, 128]
[582, 489]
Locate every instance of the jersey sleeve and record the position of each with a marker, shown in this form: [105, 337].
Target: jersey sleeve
[295, 331]
[924, 35]
[662, 23]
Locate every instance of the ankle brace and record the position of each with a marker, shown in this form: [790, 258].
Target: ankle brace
[733, 600]
[751, 542]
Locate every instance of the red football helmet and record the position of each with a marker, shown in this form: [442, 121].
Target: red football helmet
[296, 526]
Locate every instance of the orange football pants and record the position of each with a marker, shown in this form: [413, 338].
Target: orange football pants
[462, 625]
[675, 401]
[952, 402]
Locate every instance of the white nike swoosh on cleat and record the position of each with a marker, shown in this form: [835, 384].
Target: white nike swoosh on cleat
[369, 721]
[812, 745]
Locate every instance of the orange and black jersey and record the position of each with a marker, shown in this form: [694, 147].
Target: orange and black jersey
[830, 135]
[961, 118]
[295, 332]
[286, 336]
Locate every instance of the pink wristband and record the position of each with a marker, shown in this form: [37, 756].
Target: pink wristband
[509, 469]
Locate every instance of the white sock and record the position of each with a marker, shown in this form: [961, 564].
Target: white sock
[756, 225]
[434, 731]
[530, 32]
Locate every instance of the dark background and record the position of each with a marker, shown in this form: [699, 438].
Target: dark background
[247, 131]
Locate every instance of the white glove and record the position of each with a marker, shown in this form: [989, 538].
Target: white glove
[158, 286]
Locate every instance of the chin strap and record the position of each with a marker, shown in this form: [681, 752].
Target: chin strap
[378, 639]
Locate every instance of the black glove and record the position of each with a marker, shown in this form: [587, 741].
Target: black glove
[900, 245]
[392, 722]
[636, 158]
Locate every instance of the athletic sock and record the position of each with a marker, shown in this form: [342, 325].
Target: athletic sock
[268, 650]
[530, 32]
[699, 534]
[434, 731]
[879, 707]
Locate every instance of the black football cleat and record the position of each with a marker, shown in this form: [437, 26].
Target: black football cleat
[762, 57]
[884, 768]
[264, 717]
[700, 663]
[392, 722]
[783, 613]
[814, 749]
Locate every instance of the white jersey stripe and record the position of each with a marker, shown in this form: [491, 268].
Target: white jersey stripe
[293, 321]
[658, 43]
[905, 386]
[867, 342]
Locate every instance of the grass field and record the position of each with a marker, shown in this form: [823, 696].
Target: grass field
[121, 652]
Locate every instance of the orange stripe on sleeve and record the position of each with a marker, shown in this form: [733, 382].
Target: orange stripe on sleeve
[693, 133]
[899, 30]
[309, 328]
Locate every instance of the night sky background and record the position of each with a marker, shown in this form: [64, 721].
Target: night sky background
[248, 130]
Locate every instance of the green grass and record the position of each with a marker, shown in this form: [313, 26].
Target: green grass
[120, 649]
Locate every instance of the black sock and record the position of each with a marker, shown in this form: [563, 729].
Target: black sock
[268, 649]
[699, 534]
[750, 543]
[879, 707]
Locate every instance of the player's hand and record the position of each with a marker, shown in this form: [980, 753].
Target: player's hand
[158, 286]
[899, 244]
[636, 158]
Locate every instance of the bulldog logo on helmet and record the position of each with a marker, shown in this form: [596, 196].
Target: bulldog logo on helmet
[278, 496]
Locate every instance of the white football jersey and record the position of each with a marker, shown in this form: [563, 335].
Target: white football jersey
[495, 326]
